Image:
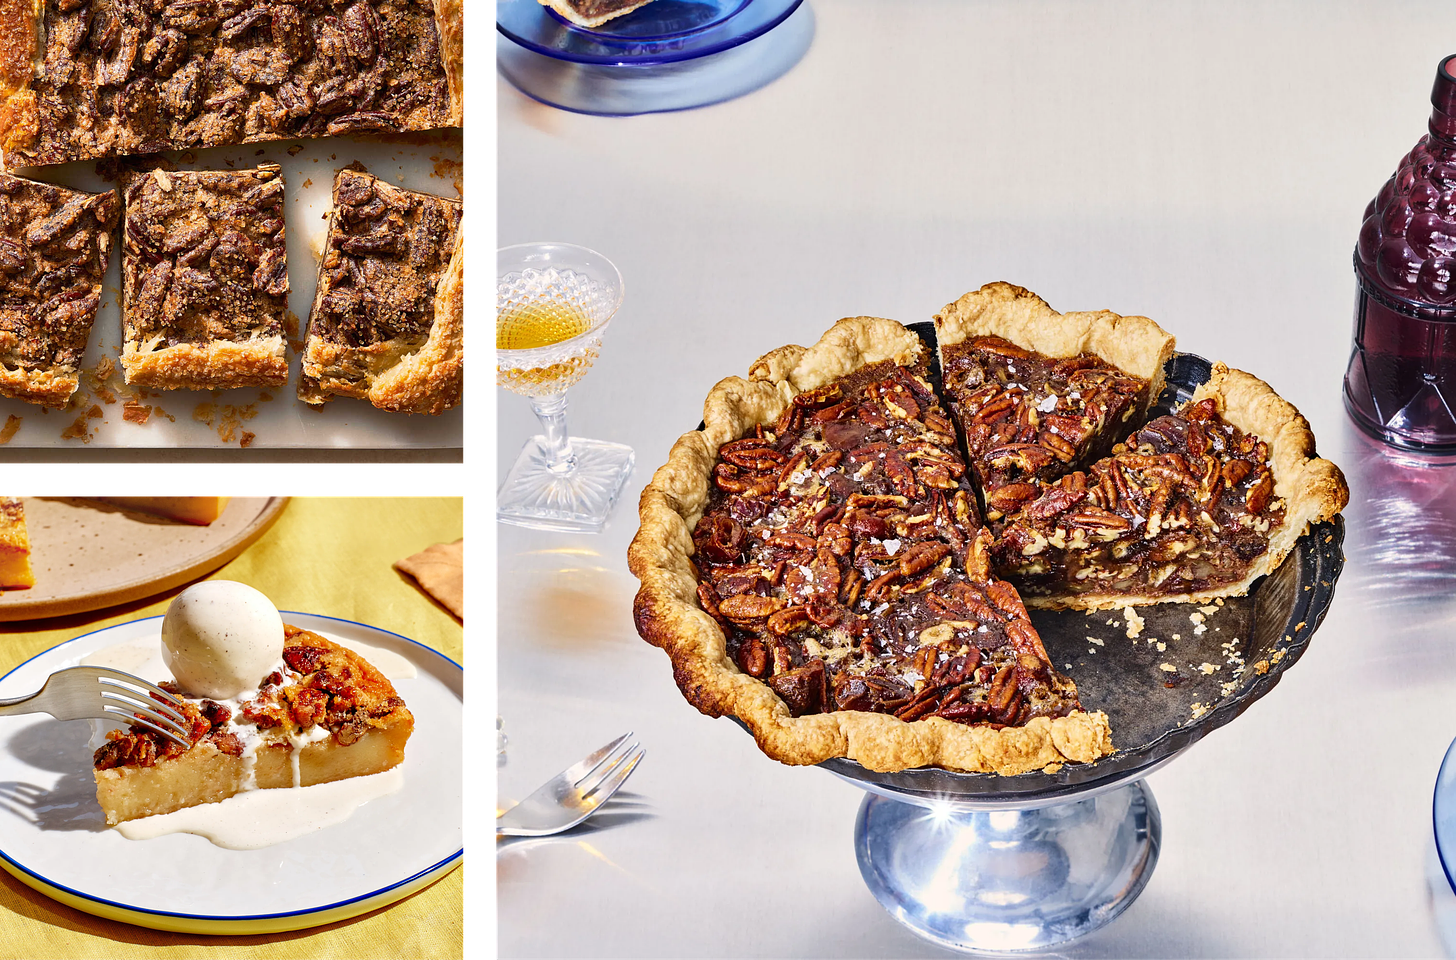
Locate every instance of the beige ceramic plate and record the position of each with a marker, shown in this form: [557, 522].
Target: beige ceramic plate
[87, 554]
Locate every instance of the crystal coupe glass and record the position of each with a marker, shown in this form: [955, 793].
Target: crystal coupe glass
[553, 304]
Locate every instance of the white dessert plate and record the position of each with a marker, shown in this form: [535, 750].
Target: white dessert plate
[54, 838]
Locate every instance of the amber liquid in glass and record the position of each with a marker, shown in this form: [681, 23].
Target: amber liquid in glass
[543, 324]
[539, 324]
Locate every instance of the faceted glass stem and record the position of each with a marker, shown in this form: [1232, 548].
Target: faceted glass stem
[551, 411]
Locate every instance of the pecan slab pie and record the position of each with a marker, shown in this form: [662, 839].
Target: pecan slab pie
[55, 245]
[593, 13]
[388, 315]
[329, 716]
[205, 279]
[814, 563]
[99, 78]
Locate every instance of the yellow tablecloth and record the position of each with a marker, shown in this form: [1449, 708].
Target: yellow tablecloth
[329, 556]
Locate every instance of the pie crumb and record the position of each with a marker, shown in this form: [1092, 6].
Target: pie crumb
[7, 432]
[1208, 668]
[1167, 668]
[1134, 622]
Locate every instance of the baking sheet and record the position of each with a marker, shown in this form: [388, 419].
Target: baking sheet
[429, 162]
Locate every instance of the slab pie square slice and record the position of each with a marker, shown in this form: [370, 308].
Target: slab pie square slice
[1039, 393]
[200, 511]
[55, 245]
[330, 715]
[813, 563]
[1191, 506]
[388, 314]
[109, 78]
[205, 279]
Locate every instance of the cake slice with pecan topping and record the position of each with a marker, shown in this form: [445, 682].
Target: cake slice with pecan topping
[329, 716]
[55, 245]
[1193, 505]
[1038, 393]
[838, 552]
[388, 313]
[205, 279]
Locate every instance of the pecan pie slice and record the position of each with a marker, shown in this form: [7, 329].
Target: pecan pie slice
[593, 13]
[388, 314]
[1039, 393]
[1191, 506]
[841, 601]
[14, 546]
[55, 245]
[329, 716]
[205, 279]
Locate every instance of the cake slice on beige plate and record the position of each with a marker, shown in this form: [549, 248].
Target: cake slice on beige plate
[14, 546]
[196, 510]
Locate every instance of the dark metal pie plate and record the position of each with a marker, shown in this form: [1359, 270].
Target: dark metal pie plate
[1171, 685]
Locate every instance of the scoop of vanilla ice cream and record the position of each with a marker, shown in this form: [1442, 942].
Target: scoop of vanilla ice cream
[221, 638]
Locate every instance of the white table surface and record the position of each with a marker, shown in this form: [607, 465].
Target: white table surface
[1204, 165]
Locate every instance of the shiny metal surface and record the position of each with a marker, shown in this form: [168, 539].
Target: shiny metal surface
[1009, 880]
[575, 793]
[101, 693]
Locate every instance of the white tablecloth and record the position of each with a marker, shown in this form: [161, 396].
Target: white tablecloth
[1204, 165]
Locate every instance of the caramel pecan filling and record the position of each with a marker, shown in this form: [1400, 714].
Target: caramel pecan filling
[842, 554]
[1029, 418]
[1185, 504]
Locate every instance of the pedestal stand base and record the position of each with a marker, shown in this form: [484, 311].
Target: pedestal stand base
[989, 880]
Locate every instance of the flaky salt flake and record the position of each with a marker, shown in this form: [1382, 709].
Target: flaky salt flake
[892, 547]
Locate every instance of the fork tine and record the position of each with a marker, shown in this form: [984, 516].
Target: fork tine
[144, 722]
[604, 790]
[130, 698]
[130, 709]
[588, 784]
[114, 681]
[591, 761]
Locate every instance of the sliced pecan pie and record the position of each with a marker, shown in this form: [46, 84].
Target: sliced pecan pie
[813, 561]
[388, 313]
[205, 279]
[1191, 506]
[55, 245]
[841, 560]
[1038, 393]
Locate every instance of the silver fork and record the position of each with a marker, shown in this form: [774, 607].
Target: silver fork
[574, 794]
[77, 693]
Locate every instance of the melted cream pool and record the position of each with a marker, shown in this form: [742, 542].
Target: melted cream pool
[259, 818]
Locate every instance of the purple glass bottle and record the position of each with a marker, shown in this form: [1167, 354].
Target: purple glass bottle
[1401, 383]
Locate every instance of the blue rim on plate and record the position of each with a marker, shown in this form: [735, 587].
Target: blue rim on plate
[1443, 814]
[662, 32]
[241, 924]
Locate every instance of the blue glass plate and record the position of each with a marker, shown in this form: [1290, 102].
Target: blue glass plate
[661, 32]
[1443, 815]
